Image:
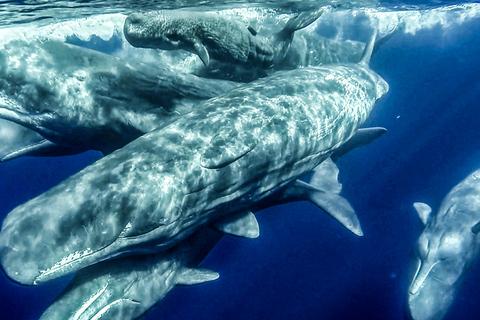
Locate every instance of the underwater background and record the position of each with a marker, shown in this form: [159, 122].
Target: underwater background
[305, 265]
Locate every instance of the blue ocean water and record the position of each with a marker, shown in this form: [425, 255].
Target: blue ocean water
[305, 265]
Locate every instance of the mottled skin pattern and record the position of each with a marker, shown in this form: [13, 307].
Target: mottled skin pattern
[126, 288]
[225, 39]
[445, 251]
[82, 99]
[221, 158]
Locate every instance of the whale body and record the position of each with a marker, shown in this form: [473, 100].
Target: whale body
[213, 36]
[128, 287]
[75, 99]
[215, 162]
[445, 250]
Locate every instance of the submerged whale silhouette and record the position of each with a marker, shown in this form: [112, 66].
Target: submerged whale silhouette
[445, 250]
[214, 163]
[67, 99]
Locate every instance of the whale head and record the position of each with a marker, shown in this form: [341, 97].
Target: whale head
[441, 257]
[156, 30]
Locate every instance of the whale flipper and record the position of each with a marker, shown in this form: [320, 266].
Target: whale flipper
[202, 52]
[243, 224]
[191, 276]
[424, 211]
[361, 138]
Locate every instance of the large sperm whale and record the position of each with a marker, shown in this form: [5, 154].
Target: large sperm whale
[213, 36]
[69, 99]
[212, 164]
[446, 249]
[127, 287]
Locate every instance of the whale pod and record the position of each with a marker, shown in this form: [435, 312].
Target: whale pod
[154, 192]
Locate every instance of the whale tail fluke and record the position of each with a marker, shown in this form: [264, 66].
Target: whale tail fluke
[284, 38]
[300, 21]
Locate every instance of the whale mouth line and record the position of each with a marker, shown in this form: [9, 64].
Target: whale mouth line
[71, 261]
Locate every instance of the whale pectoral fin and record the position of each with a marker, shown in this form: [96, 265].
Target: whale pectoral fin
[424, 211]
[202, 52]
[252, 30]
[361, 138]
[476, 228]
[242, 224]
[192, 276]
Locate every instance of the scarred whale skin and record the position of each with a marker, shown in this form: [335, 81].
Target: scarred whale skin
[211, 35]
[216, 161]
[445, 250]
[77, 99]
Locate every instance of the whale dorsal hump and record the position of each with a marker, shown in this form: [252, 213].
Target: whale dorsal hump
[202, 52]
[424, 211]
[242, 224]
[192, 276]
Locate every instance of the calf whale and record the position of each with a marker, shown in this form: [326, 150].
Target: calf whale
[446, 249]
[75, 99]
[211, 164]
[213, 36]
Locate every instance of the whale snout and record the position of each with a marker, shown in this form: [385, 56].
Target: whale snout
[134, 29]
[429, 297]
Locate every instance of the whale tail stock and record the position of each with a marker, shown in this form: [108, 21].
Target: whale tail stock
[369, 47]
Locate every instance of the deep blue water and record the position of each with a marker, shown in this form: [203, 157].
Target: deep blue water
[305, 265]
